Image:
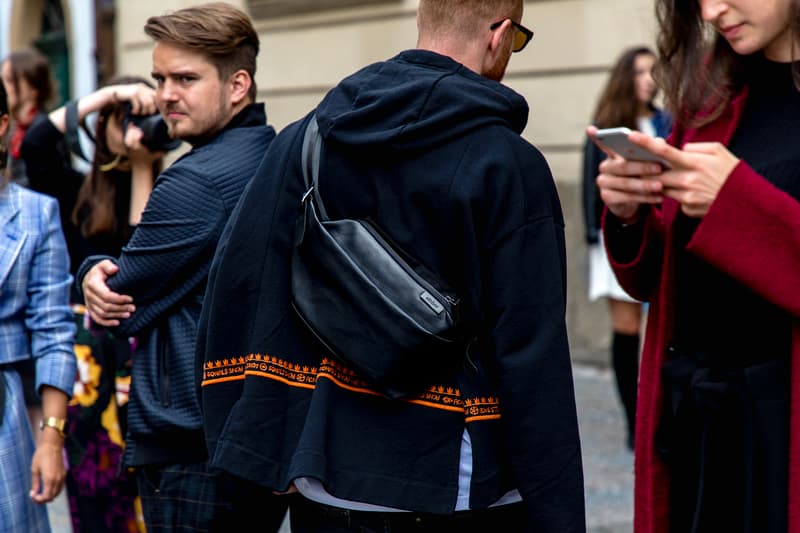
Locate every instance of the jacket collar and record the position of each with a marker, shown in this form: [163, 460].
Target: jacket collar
[11, 235]
[252, 115]
[9, 203]
[721, 129]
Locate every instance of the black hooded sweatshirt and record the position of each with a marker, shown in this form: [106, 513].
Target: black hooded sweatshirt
[432, 153]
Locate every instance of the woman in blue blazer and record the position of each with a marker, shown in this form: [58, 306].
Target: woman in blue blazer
[35, 321]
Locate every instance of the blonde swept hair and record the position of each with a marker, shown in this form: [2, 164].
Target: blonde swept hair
[221, 32]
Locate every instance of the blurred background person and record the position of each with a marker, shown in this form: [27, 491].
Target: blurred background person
[628, 99]
[109, 206]
[35, 323]
[28, 80]
[29, 85]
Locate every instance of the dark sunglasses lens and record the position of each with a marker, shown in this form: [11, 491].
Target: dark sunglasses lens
[520, 40]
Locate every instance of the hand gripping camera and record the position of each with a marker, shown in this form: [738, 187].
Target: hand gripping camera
[155, 136]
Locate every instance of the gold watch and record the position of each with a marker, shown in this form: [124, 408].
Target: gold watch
[56, 423]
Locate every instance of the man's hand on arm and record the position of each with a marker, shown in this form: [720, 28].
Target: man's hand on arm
[105, 306]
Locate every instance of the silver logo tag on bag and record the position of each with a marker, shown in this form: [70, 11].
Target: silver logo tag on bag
[432, 302]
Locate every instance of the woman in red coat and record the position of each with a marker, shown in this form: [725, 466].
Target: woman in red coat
[713, 243]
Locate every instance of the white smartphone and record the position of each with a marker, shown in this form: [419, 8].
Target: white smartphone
[617, 140]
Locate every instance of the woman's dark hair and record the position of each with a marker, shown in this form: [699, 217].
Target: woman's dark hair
[697, 69]
[94, 209]
[34, 67]
[618, 105]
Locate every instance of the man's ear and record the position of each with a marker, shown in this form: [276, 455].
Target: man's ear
[495, 46]
[3, 127]
[240, 82]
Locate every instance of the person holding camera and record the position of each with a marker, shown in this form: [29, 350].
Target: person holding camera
[204, 63]
[108, 208]
[101, 213]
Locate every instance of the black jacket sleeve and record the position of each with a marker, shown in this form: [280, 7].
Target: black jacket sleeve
[590, 195]
[47, 162]
[168, 256]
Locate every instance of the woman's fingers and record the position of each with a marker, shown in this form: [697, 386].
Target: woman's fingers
[624, 195]
[658, 146]
[706, 167]
[141, 97]
[643, 195]
[133, 138]
[618, 166]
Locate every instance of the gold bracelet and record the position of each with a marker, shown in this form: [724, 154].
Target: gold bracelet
[56, 423]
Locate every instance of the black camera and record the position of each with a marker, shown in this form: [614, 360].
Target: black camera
[155, 136]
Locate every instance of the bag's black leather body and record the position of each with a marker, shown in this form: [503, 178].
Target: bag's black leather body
[366, 303]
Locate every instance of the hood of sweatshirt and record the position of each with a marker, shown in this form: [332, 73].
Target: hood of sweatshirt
[417, 99]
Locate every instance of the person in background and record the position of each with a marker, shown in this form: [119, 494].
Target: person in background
[28, 81]
[204, 63]
[29, 85]
[35, 323]
[426, 145]
[628, 99]
[108, 208]
[713, 244]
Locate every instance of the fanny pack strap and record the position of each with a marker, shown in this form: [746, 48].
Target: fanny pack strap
[312, 147]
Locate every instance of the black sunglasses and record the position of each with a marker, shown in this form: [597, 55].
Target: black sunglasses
[522, 36]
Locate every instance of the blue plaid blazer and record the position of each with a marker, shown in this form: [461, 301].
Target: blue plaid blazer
[35, 316]
[35, 321]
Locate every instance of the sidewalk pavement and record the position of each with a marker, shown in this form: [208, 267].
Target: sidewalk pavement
[607, 463]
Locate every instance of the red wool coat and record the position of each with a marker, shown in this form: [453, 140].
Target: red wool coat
[752, 233]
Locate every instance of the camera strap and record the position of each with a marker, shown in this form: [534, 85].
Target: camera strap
[71, 134]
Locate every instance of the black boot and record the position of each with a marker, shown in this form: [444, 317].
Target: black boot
[625, 359]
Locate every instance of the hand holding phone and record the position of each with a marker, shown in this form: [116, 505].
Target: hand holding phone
[617, 140]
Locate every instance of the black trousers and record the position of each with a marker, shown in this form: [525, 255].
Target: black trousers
[307, 516]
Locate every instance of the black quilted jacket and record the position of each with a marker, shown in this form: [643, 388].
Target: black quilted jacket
[165, 268]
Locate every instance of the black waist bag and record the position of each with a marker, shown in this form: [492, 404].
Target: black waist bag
[365, 300]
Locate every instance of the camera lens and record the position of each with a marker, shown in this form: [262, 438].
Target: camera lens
[155, 135]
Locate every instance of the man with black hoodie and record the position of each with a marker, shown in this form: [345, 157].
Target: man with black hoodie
[427, 146]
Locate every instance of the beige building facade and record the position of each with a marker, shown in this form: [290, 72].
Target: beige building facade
[309, 45]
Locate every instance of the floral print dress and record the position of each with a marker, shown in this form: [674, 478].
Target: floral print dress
[102, 497]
